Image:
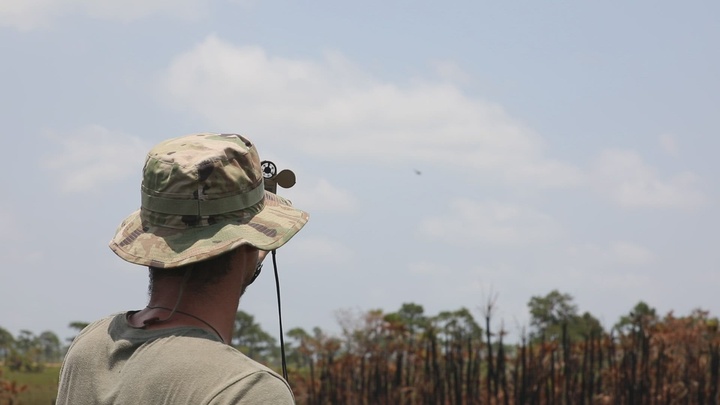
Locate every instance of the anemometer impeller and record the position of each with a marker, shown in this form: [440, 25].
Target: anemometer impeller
[286, 177]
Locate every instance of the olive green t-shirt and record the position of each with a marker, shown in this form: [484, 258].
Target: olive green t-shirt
[111, 362]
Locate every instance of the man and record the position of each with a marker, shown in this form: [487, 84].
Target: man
[204, 220]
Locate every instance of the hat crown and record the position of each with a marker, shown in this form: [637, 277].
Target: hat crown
[200, 175]
[220, 164]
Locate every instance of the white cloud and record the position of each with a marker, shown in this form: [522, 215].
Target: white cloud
[450, 71]
[426, 268]
[94, 156]
[629, 253]
[623, 177]
[322, 251]
[616, 253]
[329, 107]
[615, 271]
[17, 245]
[126, 10]
[470, 222]
[324, 197]
[27, 14]
[33, 14]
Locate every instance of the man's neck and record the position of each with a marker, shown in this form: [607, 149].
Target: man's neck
[214, 308]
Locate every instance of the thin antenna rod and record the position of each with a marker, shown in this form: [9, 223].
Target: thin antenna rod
[282, 339]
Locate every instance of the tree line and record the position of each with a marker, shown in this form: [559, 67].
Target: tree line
[565, 357]
[456, 357]
[29, 352]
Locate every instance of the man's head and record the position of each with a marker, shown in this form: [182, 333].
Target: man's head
[203, 196]
[200, 277]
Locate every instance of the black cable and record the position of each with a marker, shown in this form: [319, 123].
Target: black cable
[282, 339]
[177, 311]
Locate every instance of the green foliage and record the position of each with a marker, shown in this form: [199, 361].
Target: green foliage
[50, 347]
[551, 313]
[641, 316]
[30, 353]
[25, 362]
[7, 342]
[78, 326]
[251, 339]
[299, 347]
[457, 324]
[411, 315]
[552, 309]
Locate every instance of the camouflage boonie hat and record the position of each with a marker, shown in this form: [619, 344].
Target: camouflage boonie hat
[203, 195]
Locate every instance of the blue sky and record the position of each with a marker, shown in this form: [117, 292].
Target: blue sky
[560, 146]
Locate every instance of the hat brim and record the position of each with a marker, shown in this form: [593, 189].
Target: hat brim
[157, 246]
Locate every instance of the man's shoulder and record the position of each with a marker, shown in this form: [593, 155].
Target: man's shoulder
[214, 353]
[229, 372]
[188, 360]
[101, 325]
[176, 348]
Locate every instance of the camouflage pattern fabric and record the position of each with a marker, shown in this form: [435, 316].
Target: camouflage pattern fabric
[203, 195]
